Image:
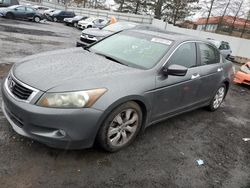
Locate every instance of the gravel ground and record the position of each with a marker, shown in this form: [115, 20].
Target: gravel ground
[163, 156]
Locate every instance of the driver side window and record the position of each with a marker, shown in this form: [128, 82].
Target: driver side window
[185, 55]
[20, 9]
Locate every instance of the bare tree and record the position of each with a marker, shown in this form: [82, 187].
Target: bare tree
[245, 24]
[223, 15]
[238, 8]
[158, 9]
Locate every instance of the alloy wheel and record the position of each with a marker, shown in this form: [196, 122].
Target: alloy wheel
[37, 19]
[123, 127]
[219, 97]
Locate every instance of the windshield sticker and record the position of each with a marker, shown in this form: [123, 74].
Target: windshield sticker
[163, 41]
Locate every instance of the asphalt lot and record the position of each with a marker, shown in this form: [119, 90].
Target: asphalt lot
[163, 156]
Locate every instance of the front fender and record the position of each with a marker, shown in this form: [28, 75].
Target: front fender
[138, 99]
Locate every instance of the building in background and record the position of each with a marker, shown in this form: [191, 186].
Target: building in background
[225, 25]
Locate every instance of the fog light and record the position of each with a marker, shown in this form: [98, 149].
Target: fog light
[61, 133]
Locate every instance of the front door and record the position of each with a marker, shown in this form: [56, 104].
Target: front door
[20, 12]
[175, 93]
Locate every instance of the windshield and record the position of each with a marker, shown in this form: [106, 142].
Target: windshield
[90, 19]
[133, 49]
[78, 17]
[57, 11]
[119, 26]
[14, 6]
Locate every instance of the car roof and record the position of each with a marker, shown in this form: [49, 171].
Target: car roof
[177, 37]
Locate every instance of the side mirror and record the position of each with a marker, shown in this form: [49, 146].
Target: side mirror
[175, 70]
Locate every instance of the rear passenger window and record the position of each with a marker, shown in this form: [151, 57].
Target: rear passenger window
[185, 55]
[209, 55]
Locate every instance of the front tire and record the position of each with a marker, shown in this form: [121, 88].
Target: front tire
[10, 15]
[55, 19]
[218, 98]
[121, 127]
[37, 19]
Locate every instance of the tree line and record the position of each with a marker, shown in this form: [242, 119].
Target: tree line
[234, 8]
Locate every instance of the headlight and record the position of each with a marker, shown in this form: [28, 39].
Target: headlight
[79, 99]
[99, 38]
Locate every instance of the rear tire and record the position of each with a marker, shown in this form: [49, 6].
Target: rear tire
[218, 98]
[55, 19]
[120, 127]
[75, 24]
[89, 26]
[10, 15]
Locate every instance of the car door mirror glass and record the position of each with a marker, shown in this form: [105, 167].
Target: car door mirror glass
[175, 70]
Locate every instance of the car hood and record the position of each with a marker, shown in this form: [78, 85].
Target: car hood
[68, 19]
[84, 22]
[69, 70]
[3, 9]
[97, 32]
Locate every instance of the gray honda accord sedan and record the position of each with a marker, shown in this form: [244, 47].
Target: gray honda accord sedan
[110, 91]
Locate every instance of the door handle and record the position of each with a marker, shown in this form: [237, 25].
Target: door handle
[195, 76]
[220, 69]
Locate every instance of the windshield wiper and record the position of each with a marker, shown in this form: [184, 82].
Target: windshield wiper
[111, 58]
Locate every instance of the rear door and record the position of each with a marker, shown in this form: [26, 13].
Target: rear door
[212, 70]
[30, 13]
[175, 93]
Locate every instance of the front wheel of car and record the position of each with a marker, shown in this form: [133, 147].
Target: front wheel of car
[55, 19]
[37, 19]
[218, 98]
[121, 127]
[75, 24]
[10, 15]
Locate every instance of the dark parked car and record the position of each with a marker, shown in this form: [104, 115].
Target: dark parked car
[74, 21]
[21, 12]
[91, 35]
[111, 91]
[7, 3]
[59, 15]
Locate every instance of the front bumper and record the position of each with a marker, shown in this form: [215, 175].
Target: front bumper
[242, 78]
[81, 44]
[79, 26]
[59, 128]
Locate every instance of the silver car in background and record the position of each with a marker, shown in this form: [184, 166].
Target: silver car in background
[224, 48]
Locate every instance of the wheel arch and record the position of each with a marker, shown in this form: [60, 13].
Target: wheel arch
[143, 104]
[227, 83]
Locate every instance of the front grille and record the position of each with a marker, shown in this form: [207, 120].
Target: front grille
[87, 41]
[18, 90]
